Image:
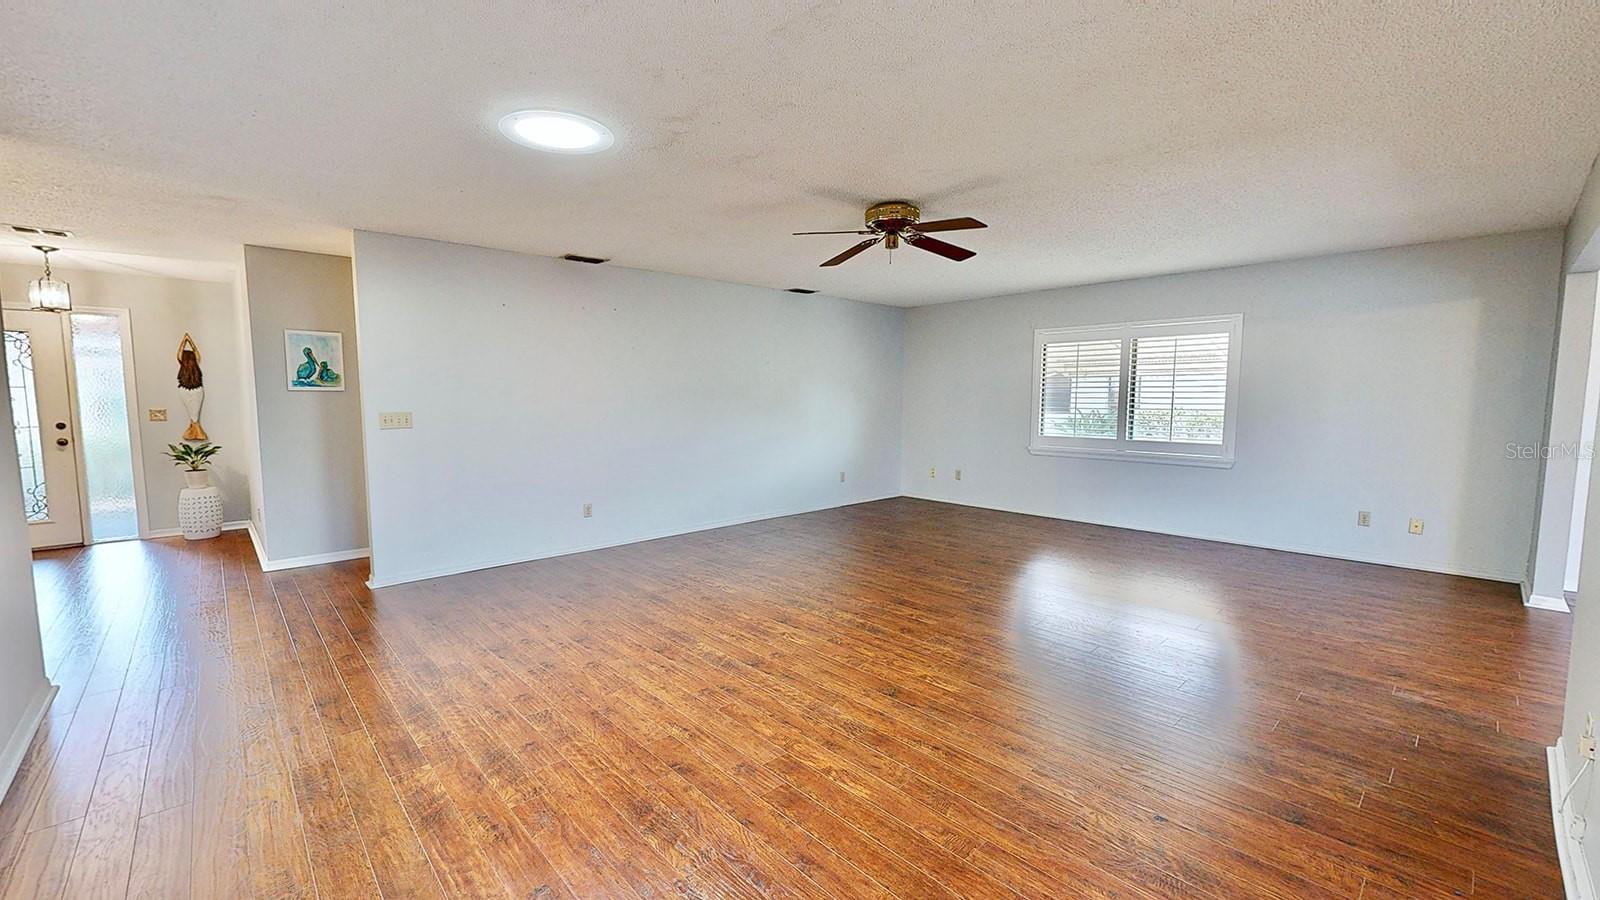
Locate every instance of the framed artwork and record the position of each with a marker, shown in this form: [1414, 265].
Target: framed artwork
[315, 360]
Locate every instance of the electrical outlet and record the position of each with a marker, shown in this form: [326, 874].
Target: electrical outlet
[958, 474]
[1364, 518]
[841, 478]
[1586, 741]
[388, 420]
[932, 472]
[1415, 527]
[588, 510]
[158, 415]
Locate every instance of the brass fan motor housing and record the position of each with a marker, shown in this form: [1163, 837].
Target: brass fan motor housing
[891, 216]
[896, 223]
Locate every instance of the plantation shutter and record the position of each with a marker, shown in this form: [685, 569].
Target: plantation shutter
[1079, 385]
[1178, 388]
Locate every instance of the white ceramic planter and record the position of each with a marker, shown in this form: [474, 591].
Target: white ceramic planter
[199, 507]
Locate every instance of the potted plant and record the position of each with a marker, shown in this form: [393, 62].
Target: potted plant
[195, 459]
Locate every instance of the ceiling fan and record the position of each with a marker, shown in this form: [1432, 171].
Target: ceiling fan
[892, 221]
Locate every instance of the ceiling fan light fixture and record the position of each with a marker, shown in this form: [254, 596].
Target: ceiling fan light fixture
[556, 132]
[46, 292]
[894, 221]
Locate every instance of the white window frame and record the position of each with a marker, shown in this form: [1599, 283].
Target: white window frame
[1121, 447]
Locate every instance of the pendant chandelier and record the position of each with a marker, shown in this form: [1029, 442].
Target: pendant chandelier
[46, 292]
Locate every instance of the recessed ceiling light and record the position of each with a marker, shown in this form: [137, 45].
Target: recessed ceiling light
[557, 132]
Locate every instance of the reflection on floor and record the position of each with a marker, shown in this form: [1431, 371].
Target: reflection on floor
[895, 699]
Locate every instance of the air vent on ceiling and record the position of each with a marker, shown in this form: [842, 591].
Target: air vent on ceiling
[36, 231]
[800, 290]
[591, 260]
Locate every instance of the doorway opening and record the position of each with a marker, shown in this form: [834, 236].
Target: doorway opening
[71, 383]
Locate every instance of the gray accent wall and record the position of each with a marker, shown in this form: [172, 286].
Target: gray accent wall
[313, 488]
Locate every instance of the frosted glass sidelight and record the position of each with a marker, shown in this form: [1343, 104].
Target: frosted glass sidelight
[25, 421]
[103, 417]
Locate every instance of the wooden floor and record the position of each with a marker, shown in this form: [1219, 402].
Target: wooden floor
[895, 699]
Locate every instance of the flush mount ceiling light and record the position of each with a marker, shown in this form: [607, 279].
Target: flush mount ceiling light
[556, 132]
[47, 293]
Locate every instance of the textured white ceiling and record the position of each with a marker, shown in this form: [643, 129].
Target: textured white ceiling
[1099, 140]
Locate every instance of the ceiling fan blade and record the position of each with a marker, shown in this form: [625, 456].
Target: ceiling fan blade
[851, 252]
[833, 232]
[934, 245]
[958, 224]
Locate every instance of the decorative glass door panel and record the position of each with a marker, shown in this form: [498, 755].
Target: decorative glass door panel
[41, 420]
[105, 430]
[25, 420]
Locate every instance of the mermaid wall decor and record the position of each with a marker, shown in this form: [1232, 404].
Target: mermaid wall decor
[315, 360]
[191, 387]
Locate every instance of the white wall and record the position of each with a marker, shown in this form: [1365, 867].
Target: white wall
[1582, 254]
[1387, 381]
[669, 403]
[23, 689]
[160, 311]
[1586, 439]
[1583, 690]
[313, 499]
[247, 382]
[1582, 239]
[1566, 468]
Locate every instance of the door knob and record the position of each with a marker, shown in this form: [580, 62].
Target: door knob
[61, 442]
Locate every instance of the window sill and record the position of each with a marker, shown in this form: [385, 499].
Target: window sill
[1166, 459]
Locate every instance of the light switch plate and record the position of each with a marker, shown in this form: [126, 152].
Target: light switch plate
[158, 415]
[390, 420]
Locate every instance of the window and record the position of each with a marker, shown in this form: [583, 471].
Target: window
[1151, 391]
[1081, 380]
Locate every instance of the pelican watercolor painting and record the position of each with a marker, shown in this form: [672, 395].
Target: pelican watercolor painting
[315, 360]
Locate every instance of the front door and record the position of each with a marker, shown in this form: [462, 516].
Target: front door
[36, 370]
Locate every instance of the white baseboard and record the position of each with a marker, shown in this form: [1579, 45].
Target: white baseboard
[300, 562]
[178, 532]
[477, 565]
[1305, 549]
[1574, 867]
[255, 542]
[1540, 601]
[21, 736]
